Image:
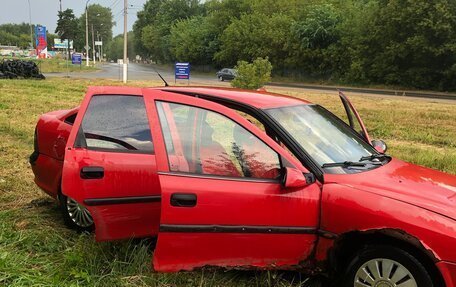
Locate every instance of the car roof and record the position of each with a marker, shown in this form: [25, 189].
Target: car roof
[257, 98]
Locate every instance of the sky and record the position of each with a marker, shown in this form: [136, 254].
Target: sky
[44, 12]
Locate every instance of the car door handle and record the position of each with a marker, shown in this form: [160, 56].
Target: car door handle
[92, 172]
[183, 199]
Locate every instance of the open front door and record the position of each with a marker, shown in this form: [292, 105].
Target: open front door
[353, 115]
[110, 165]
[226, 206]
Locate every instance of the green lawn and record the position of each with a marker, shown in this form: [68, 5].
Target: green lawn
[62, 66]
[37, 250]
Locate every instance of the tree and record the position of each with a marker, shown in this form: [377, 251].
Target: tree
[255, 35]
[102, 21]
[312, 43]
[50, 40]
[155, 29]
[67, 25]
[194, 40]
[221, 13]
[15, 35]
[145, 17]
[319, 28]
[252, 75]
[406, 43]
[114, 50]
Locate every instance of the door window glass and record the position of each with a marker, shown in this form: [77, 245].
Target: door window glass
[117, 123]
[212, 144]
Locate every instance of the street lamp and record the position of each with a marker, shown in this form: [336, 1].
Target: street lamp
[93, 42]
[87, 35]
[30, 23]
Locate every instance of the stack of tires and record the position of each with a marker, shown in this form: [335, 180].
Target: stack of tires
[13, 69]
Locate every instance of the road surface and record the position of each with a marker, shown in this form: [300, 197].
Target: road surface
[140, 72]
[143, 72]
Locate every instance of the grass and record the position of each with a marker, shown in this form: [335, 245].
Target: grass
[57, 65]
[62, 66]
[37, 250]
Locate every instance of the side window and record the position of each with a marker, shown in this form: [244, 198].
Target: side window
[70, 119]
[212, 144]
[116, 123]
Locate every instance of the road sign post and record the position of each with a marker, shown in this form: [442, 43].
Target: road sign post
[182, 72]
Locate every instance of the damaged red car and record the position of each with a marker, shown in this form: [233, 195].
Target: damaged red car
[247, 179]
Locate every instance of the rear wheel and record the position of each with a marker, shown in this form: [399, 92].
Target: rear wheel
[75, 215]
[386, 266]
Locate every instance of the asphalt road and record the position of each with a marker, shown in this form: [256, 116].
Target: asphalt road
[143, 72]
[140, 72]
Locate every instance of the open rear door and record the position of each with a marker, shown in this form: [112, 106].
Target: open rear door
[353, 115]
[110, 166]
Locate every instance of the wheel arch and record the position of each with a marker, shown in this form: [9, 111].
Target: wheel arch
[347, 244]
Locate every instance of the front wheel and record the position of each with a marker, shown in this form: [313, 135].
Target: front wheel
[386, 266]
[220, 78]
[75, 215]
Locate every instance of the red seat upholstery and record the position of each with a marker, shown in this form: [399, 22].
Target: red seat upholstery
[215, 160]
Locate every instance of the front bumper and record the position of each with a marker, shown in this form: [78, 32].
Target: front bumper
[448, 270]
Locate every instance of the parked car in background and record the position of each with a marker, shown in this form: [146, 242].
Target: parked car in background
[247, 179]
[226, 74]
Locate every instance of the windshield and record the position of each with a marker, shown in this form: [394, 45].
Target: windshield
[321, 134]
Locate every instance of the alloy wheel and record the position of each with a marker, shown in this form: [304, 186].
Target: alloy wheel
[383, 272]
[78, 213]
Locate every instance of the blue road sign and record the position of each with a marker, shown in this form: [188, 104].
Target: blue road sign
[182, 71]
[76, 59]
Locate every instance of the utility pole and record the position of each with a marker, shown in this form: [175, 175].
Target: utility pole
[98, 39]
[60, 6]
[93, 47]
[87, 35]
[125, 67]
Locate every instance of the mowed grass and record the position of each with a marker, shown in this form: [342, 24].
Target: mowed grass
[62, 66]
[37, 250]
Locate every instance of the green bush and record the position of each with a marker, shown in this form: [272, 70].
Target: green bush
[252, 75]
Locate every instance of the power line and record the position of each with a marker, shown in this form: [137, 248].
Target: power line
[114, 4]
[119, 13]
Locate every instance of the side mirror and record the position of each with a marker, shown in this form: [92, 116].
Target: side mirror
[294, 178]
[380, 146]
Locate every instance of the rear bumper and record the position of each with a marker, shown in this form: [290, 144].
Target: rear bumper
[448, 270]
[47, 171]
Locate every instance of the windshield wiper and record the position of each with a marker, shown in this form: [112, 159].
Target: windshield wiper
[347, 164]
[375, 156]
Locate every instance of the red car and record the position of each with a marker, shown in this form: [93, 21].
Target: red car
[253, 179]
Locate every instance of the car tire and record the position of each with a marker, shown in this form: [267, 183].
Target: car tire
[390, 265]
[220, 78]
[75, 216]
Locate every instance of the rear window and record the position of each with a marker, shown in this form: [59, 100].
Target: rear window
[117, 123]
